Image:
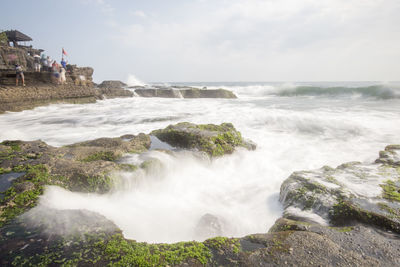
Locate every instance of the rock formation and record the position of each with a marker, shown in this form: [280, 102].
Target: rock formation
[344, 216]
[215, 140]
[187, 92]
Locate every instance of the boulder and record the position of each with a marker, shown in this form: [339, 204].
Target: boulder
[113, 89]
[215, 140]
[354, 191]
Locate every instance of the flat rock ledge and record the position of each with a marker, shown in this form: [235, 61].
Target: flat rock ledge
[40, 92]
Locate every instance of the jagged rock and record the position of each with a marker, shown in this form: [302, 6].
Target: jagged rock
[215, 140]
[367, 193]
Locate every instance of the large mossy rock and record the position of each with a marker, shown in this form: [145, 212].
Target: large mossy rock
[215, 140]
[82, 167]
[368, 193]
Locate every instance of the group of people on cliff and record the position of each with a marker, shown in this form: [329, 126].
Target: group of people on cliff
[46, 64]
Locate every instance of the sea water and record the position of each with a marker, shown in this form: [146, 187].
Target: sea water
[296, 126]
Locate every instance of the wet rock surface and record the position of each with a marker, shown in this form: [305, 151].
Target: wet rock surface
[215, 140]
[353, 191]
[344, 216]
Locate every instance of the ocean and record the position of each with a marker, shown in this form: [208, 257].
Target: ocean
[296, 126]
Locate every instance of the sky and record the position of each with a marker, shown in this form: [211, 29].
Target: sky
[217, 40]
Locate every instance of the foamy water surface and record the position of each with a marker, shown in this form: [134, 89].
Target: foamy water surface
[293, 132]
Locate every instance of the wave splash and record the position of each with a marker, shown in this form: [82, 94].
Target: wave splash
[368, 90]
[375, 91]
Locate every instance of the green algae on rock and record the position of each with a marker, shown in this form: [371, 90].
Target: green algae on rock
[215, 140]
[366, 193]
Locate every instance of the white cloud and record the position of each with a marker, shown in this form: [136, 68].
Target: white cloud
[104, 6]
[314, 39]
[139, 13]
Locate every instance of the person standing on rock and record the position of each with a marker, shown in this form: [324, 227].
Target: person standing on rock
[19, 74]
[55, 72]
[49, 63]
[63, 63]
[62, 75]
[36, 60]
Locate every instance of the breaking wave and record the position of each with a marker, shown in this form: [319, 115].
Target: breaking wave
[375, 91]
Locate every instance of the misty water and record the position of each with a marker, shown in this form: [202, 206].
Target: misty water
[295, 126]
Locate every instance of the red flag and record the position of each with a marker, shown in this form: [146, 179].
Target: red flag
[64, 53]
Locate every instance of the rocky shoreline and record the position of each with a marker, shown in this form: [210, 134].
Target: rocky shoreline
[39, 93]
[341, 216]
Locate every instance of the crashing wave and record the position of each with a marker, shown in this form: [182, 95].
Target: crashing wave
[375, 91]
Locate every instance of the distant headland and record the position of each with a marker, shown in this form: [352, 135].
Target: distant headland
[42, 84]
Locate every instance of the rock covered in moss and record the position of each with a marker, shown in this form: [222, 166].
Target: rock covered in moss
[391, 155]
[215, 140]
[353, 191]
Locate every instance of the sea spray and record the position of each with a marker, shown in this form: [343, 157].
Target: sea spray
[133, 81]
[166, 202]
[241, 190]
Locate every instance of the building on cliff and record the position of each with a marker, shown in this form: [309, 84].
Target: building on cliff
[15, 36]
[13, 52]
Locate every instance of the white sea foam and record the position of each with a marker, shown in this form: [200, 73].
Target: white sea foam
[292, 133]
[132, 81]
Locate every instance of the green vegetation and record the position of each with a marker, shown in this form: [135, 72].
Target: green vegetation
[3, 38]
[116, 251]
[394, 212]
[391, 190]
[343, 229]
[277, 245]
[307, 194]
[215, 140]
[127, 167]
[102, 155]
[224, 243]
[332, 180]
[2, 171]
[7, 154]
[15, 203]
[15, 145]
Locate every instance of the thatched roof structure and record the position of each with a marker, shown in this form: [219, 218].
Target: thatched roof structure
[17, 36]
